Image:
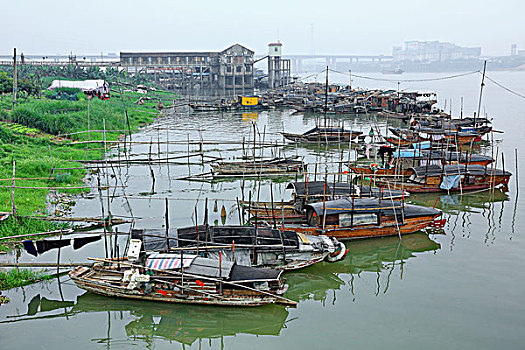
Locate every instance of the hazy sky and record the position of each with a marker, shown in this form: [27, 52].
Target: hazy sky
[338, 27]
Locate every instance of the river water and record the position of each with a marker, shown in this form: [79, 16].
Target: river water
[459, 290]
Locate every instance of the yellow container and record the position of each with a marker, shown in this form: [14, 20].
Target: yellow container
[249, 101]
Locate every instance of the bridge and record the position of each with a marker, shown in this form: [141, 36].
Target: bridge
[299, 61]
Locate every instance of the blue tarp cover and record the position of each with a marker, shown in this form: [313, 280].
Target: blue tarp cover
[450, 182]
[421, 145]
[407, 153]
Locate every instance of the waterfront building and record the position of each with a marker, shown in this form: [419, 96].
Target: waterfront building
[228, 72]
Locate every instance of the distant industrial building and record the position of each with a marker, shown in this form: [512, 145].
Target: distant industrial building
[228, 72]
[514, 51]
[434, 51]
[278, 68]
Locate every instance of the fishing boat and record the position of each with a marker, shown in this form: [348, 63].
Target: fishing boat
[323, 135]
[454, 177]
[263, 247]
[353, 218]
[275, 166]
[404, 159]
[181, 278]
[396, 70]
[407, 137]
[304, 192]
[205, 107]
[480, 126]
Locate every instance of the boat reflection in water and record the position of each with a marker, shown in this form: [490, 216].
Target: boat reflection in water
[462, 210]
[187, 323]
[367, 255]
[149, 320]
[455, 203]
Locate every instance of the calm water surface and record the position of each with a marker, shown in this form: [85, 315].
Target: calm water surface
[462, 289]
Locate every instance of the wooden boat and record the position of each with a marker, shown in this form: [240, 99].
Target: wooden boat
[276, 166]
[305, 192]
[178, 278]
[323, 135]
[437, 136]
[352, 218]
[374, 170]
[480, 126]
[408, 158]
[401, 142]
[455, 177]
[205, 107]
[393, 71]
[246, 245]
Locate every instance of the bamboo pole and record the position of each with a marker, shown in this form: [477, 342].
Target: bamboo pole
[13, 206]
[167, 223]
[44, 264]
[107, 176]
[102, 216]
[49, 233]
[516, 160]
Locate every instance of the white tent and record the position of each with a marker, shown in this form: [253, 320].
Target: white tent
[84, 85]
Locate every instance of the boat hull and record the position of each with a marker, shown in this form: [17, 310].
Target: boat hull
[83, 278]
[432, 184]
[389, 228]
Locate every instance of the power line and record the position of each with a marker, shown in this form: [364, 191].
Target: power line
[505, 88]
[312, 75]
[406, 80]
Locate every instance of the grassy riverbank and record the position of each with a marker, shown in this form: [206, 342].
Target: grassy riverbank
[34, 138]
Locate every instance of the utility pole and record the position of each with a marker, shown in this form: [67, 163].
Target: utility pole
[480, 92]
[15, 82]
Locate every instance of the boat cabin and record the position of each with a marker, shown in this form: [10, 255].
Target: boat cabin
[349, 213]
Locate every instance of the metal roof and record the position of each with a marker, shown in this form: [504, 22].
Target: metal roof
[360, 205]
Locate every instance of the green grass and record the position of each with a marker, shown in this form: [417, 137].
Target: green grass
[21, 277]
[30, 138]
[21, 226]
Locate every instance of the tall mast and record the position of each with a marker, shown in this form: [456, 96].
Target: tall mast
[481, 92]
[326, 97]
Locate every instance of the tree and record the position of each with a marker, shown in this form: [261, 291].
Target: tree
[6, 82]
[28, 87]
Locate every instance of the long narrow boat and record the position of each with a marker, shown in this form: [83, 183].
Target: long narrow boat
[455, 177]
[401, 142]
[305, 192]
[405, 159]
[205, 107]
[290, 165]
[178, 278]
[363, 218]
[246, 245]
[323, 135]
[406, 137]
